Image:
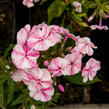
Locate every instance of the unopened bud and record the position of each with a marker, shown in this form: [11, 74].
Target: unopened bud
[90, 19]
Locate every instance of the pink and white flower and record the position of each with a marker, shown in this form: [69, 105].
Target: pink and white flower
[70, 36]
[93, 27]
[40, 87]
[77, 5]
[44, 94]
[33, 76]
[58, 66]
[23, 34]
[75, 49]
[35, 28]
[75, 62]
[29, 3]
[18, 75]
[60, 30]
[84, 45]
[24, 57]
[39, 82]
[100, 26]
[43, 38]
[90, 70]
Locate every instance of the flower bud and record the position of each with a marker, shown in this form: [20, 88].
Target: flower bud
[61, 88]
[46, 63]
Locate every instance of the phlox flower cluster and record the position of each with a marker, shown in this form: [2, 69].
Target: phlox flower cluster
[31, 41]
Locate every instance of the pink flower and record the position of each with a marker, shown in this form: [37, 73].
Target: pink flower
[77, 5]
[69, 36]
[90, 70]
[18, 75]
[93, 27]
[84, 46]
[44, 94]
[100, 26]
[61, 88]
[58, 66]
[24, 57]
[35, 28]
[46, 63]
[60, 30]
[75, 49]
[43, 38]
[75, 62]
[29, 3]
[38, 81]
[23, 35]
[107, 16]
[33, 76]
[40, 85]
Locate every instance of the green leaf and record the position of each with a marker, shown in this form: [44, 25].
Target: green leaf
[19, 100]
[77, 79]
[7, 51]
[106, 9]
[82, 15]
[69, 27]
[1, 63]
[76, 17]
[83, 24]
[71, 1]
[97, 2]
[92, 5]
[42, 2]
[10, 90]
[1, 95]
[56, 9]
[3, 78]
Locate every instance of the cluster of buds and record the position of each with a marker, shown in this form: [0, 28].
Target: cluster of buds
[32, 41]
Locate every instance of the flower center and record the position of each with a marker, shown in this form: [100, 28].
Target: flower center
[41, 39]
[87, 43]
[25, 55]
[60, 68]
[71, 63]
